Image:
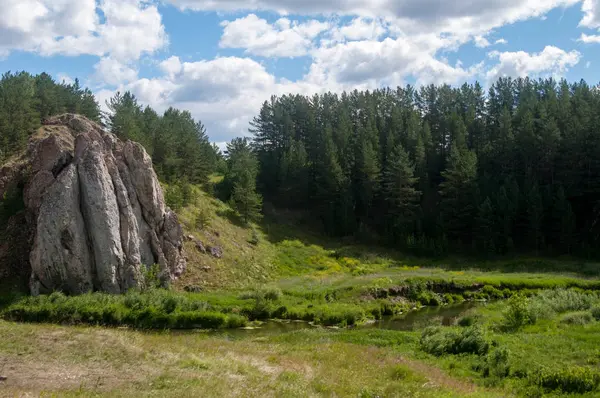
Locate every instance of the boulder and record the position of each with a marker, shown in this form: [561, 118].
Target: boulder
[95, 208]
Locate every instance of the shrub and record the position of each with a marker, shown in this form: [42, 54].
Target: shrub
[467, 320]
[578, 318]
[403, 372]
[201, 218]
[272, 294]
[497, 363]
[565, 300]
[254, 237]
[152, 277]
[596, 313]
[439, 341]
[517, 313]
[490, 292]
[573, 379]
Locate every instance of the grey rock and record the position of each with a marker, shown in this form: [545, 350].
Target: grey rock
[216, 251]
[60, 258]
[98, 211]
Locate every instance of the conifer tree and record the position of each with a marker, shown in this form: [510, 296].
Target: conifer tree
[399, 190]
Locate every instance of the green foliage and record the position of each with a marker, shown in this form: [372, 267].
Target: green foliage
[517, 313]
[178, 145]
[467, 320]
[497, 363]
[578, 318]
[596, 312]
[574, 379]
[440, 168]
[26, 99]
[239, 185]
[156, 309]
[152, 279]
[439, 341]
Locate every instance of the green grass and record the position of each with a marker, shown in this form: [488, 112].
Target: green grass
[50, 360]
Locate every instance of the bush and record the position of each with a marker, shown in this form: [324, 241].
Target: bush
[568, 380]
[490, 292]
[201, 217]
[272, 294]
[566, 300]
[439, 341]
[517, 313]
[596, 313]
[578, 318]
[254, 238]
[497, 364]
[468, 320]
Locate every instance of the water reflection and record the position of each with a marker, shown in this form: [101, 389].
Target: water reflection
[413, 320]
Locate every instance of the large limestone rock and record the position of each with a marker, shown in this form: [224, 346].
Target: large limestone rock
[96, 210]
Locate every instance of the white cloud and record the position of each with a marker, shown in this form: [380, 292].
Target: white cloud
[588, 64]
[501, 41]
[171, 66]
[591, 10]
[551, 61]
[481, 41]
[589, 39]
[64, 78]
[459, 17]
[361, 29]
[113, 72]
[129, 28]
[284, 38]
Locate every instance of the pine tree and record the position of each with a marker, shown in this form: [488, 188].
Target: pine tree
[458, 193]
[244, 198]
[400, 193]
[535, 212]
[486, 227]
[239, 182]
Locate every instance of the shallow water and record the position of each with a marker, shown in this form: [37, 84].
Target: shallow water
[445, 315]
[413, 320]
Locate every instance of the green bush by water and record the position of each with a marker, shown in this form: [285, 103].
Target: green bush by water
[439, 341]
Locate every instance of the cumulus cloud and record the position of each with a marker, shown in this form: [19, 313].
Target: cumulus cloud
[171, 66]
[284, 38]
[113, 72]
[591, 10]
[129, 28]
[462, 16]
[501, 41]
[360, 29]
[589, 39]
[481, 41]
[552, 61]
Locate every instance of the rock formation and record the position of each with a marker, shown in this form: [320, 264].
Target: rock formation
[95, 209]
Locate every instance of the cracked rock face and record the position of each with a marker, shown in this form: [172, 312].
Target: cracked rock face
[98, 212]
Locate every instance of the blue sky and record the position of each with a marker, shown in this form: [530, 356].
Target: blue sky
[222, 59]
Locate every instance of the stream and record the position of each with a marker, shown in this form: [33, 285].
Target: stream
[417, 319]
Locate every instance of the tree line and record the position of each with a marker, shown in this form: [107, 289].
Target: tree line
[441, 168]
[435, 169]
[25, 100]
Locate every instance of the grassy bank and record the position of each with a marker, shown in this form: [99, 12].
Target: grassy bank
[334, 300]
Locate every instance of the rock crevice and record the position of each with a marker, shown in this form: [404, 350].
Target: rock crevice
[98, 211]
